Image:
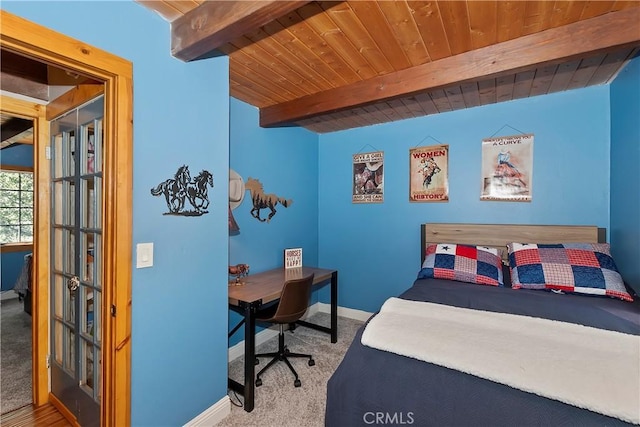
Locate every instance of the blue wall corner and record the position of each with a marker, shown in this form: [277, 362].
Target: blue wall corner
[625, 173]
[285, 161]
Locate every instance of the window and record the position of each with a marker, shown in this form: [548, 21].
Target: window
[16, 206]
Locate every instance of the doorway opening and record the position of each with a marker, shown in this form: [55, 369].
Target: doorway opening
[16, 236]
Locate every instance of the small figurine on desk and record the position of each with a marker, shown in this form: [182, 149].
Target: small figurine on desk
[239, 270]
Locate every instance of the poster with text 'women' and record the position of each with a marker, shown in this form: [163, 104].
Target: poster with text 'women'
[429, 174]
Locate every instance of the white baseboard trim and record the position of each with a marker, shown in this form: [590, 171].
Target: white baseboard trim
[350, 313]
[212, 415]
[7, 295]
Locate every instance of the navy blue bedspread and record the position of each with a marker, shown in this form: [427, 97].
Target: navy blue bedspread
[374, 387]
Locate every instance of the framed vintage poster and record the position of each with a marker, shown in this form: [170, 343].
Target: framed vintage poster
[368, 177]
[429, 174]
[507, 168]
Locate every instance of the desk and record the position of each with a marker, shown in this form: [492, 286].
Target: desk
[262, 288]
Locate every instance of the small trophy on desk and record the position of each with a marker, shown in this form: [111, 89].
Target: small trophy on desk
[239, 271]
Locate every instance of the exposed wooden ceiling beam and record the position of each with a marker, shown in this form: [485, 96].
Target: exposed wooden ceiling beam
[21, 66]
[23, 86]
[601, 34]
[14, 127]
[72, 99]
[215, 23]
[19, 74]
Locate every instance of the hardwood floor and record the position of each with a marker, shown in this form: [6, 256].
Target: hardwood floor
[44, 416]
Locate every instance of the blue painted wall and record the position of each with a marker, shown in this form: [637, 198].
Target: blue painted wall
[17, 155]
[376, 247]
[181, 116]
[625, 172]
[12, 262]
[285, 160]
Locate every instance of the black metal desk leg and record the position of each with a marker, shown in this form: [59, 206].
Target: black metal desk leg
[249, 356]
[334, 307]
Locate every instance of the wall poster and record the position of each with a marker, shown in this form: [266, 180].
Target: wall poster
[507, 168]
[429, 174]
[368, 178]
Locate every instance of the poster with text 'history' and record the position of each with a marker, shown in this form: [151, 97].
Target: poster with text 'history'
[429, 174]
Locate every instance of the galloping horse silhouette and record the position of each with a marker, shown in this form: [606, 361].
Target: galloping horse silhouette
[174, 189]
[264, 201]
[197, 191]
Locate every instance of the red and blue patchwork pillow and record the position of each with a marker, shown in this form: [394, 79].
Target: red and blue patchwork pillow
[586, 268]
[464, 263]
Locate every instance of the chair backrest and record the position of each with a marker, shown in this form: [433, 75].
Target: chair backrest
[294, 300]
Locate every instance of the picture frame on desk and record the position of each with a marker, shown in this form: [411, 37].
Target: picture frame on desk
[292, 258]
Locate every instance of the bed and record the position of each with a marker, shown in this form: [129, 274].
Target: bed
[379, 385]
[22, 285]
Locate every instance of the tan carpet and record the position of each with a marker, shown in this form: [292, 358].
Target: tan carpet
[15, 356]
[278, 403]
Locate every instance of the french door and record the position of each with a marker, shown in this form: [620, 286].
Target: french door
[76, 260]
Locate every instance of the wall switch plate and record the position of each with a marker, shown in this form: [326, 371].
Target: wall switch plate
[144, 255]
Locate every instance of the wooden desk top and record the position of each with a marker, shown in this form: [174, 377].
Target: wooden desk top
[267, 286]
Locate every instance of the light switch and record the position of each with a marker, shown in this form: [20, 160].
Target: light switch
[144, 255]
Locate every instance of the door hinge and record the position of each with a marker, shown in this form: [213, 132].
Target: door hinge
[113, 310]
[48, 360]
[47, 152]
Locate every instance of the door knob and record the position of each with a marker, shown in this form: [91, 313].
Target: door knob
[73, 283]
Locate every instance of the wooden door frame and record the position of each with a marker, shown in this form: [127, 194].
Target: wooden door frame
[29, 39]
[39, 319]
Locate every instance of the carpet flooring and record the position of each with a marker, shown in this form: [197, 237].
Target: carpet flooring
[277, 401]
[15, 356]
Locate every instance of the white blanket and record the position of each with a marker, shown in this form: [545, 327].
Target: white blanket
[583, 366]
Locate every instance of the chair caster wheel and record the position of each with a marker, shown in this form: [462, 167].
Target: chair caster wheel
[297, 383]
[258, 382]
[311, 362]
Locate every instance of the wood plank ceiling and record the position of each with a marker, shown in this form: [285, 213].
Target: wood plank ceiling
[329, 66]
[15, 130]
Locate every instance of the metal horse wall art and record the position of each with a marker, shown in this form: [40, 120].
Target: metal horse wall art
[173, 189]
[197, 191]
[264, 201]
[181, 188]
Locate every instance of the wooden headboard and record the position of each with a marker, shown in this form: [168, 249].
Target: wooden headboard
[498, 235]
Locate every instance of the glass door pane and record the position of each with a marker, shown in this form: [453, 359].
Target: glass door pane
[77, 145]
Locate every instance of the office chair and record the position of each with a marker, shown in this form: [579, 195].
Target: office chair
[294, 301]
